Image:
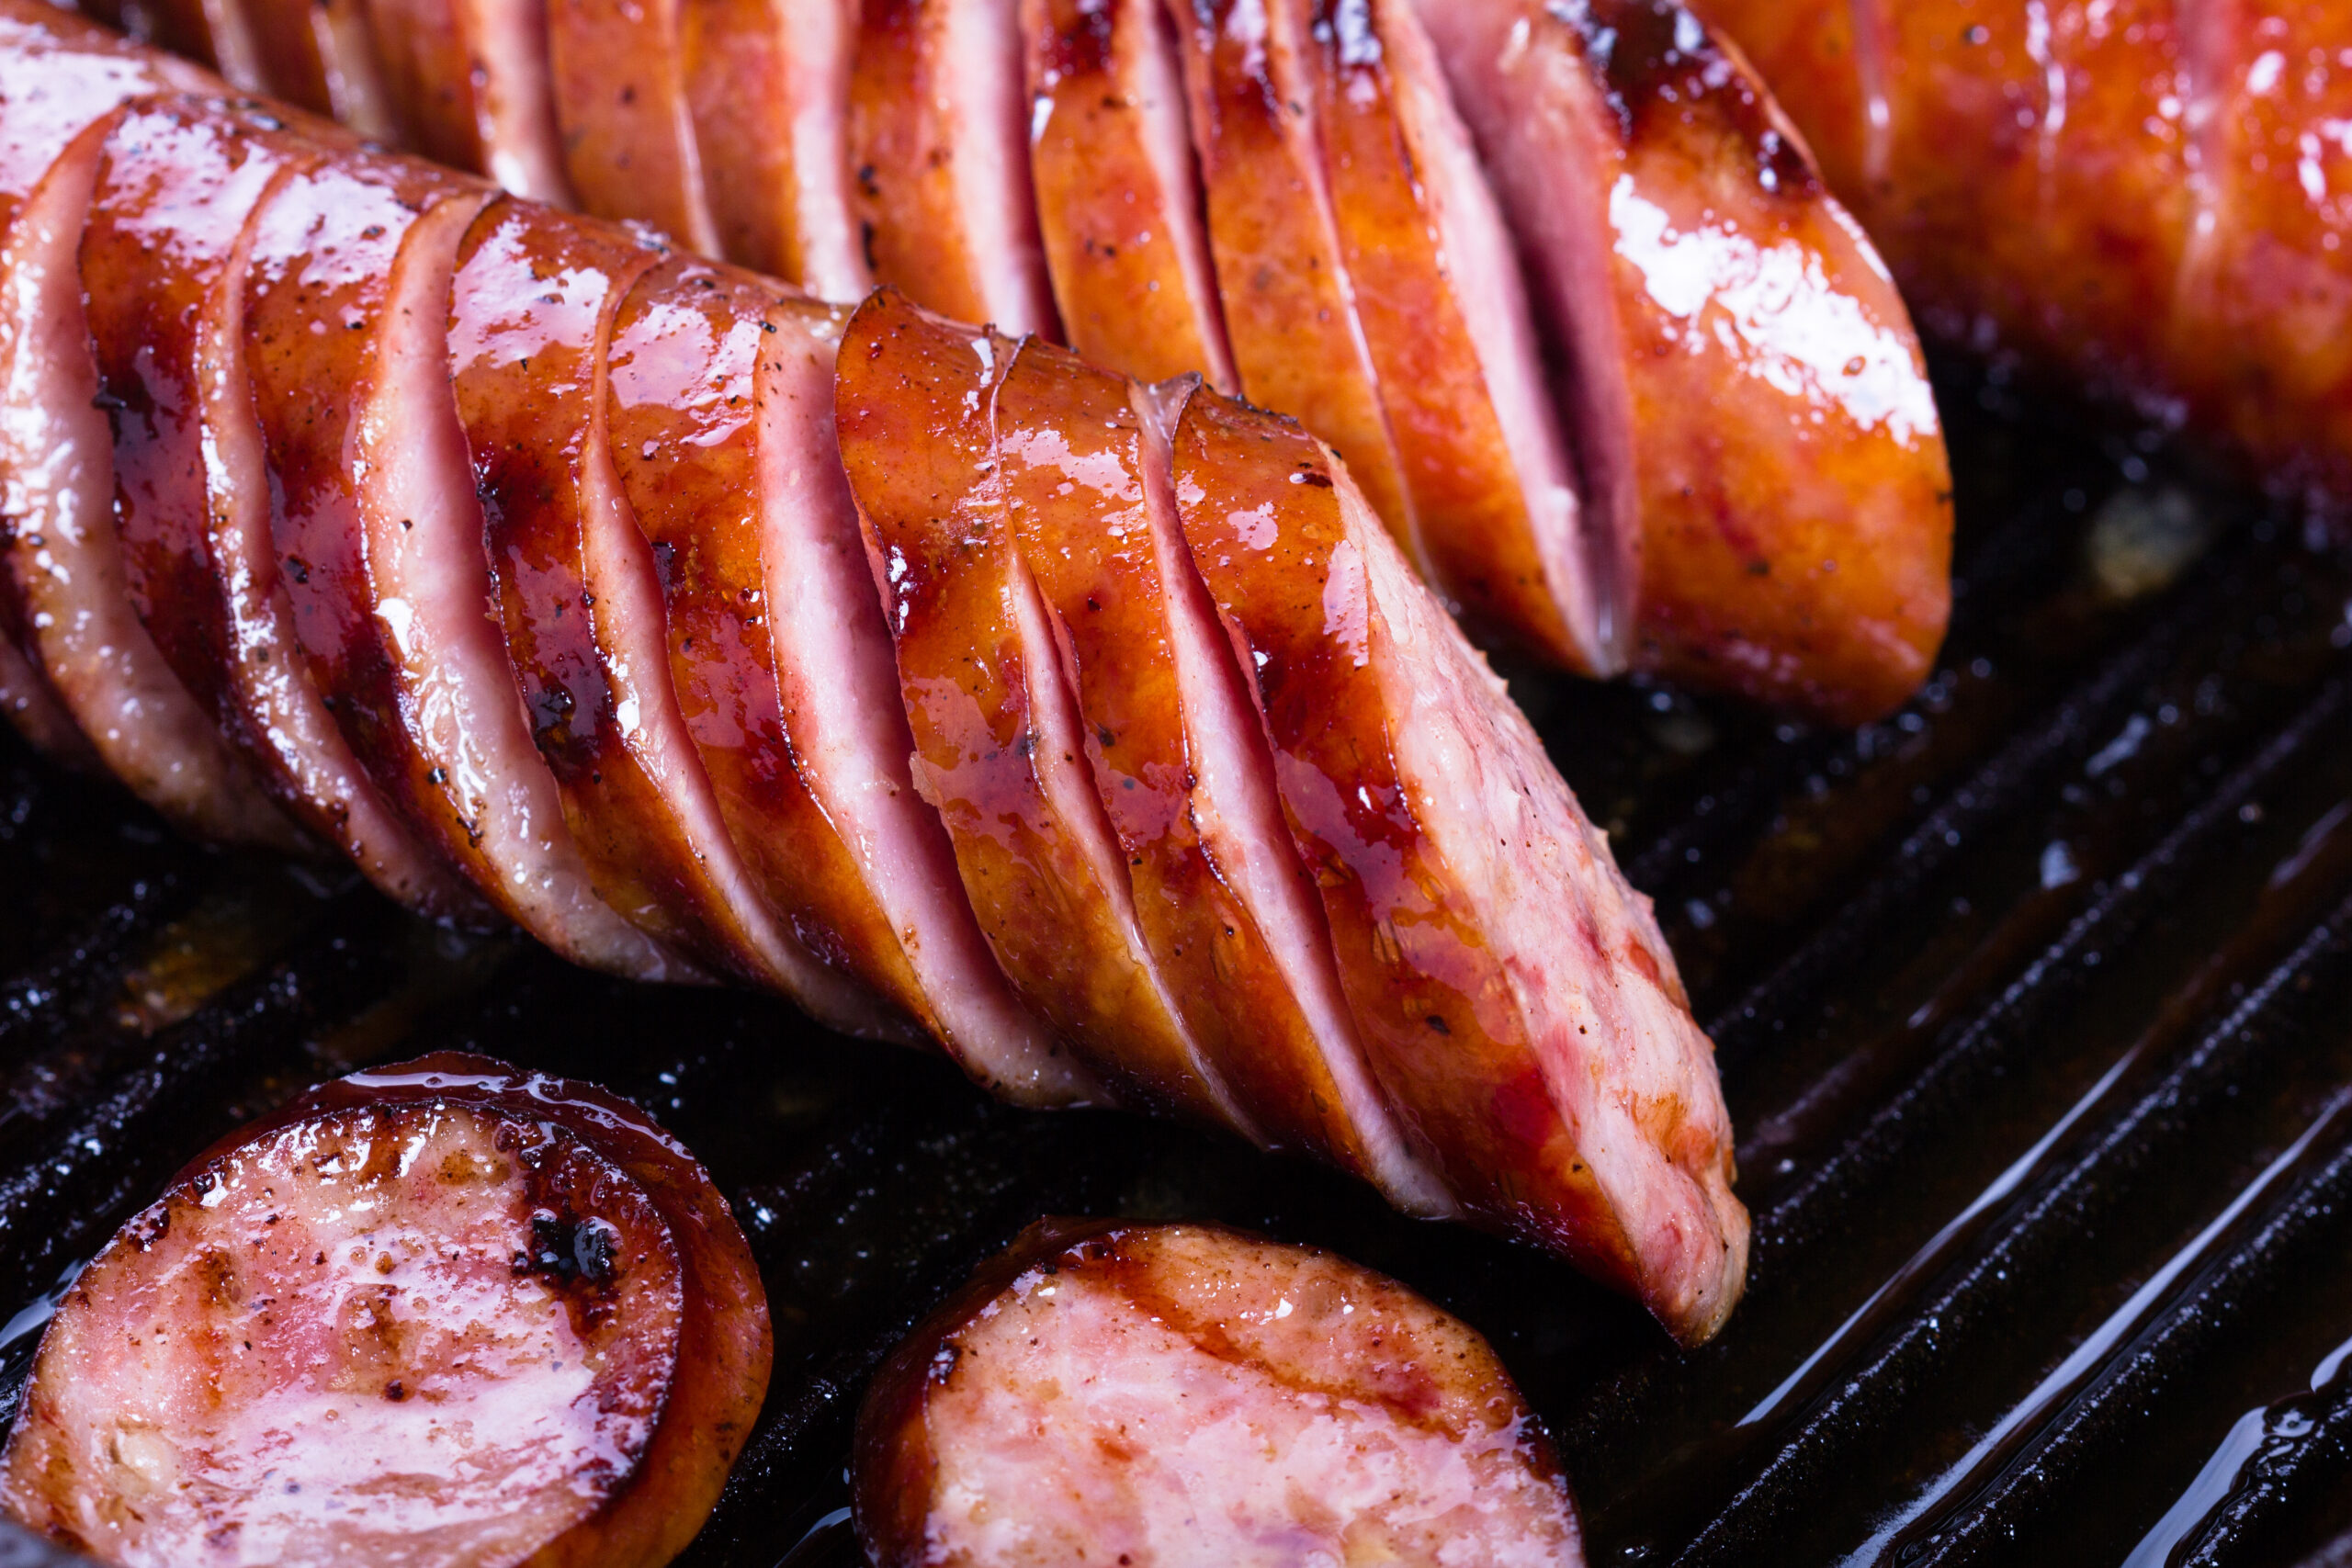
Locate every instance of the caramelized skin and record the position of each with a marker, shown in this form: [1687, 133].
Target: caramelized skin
[768, 83]
[1111, 153]
[681, 405]
[1498, 966]
[467, 82]
[175, 189]
[2148, 197]
[380, 535]
[291, 43]
[1289, 303]
[58, 76]
[1189, 1394]
[1476, 527]
[937, 145]
[629, 136]
[1751, 410]
[532, 305]
[932, 466]
[444, 1306]
[1078, 508]
[64, 553]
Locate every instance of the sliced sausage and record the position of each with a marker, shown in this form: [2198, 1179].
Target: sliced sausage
[838, 686]
[178, 188]
[1444, 317]
[1000, 747]
[1181, 771]
[467, 82]
[1749, 404]
[621, 97]
[1516, 999]
[682, 406]
[289, 58]
[1290, 306]
[768, 85]
[1118, 190]
[58, 76]
[939, 145]
[443, 1307]
[379, 537]
[530, 314]
[66, 555]
[1188, 1394]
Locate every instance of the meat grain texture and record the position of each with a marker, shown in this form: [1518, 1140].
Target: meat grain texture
[1189, 1394]
[960, 690]
[442, 1313]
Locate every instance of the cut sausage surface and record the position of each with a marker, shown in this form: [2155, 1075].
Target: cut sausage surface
[1187, 1394]
[998, 744]
[379, 537]
[65, 557]
[1516, 999]
[768, 85]
[939, 146]
[1748, 401]
[1118, 190]
[443, 1312]
[531, 312]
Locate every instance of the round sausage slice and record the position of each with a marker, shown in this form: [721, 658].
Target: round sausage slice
[443, 1313]
[1187, 1394]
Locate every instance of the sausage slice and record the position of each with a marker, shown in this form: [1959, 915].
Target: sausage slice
[1000, 746]
[1188, 1394]
[629, 131]
[1118, 189]
[939, 147]
[468, 84]
[378, 534]
[58, 76]
[839, 689]
[1179, 761]
[1289, 303]
[531, 312]
[1759, 443]
[1444, 316]
[444, 1312]
[162, 264]
[1517, 1000]
[768, 83]
[66, 556]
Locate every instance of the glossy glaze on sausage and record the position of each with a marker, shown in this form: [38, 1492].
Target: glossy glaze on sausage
[2154, 199]
[954, 688]
[442, 1305]
[1563, 289]
[1190, 1393]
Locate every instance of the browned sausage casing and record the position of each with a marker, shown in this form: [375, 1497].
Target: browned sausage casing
[2153, 198]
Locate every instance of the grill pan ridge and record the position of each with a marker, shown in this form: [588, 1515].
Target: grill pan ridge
[2030, 1000]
